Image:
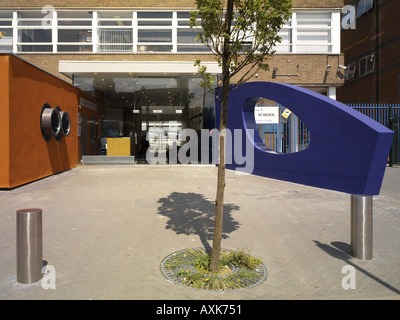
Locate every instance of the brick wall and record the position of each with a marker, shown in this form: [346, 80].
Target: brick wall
[382, 85]
[312, 68]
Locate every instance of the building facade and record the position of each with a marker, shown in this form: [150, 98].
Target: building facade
[136, 59]
[371, 47]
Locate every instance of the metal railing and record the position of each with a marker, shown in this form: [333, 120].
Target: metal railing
[111, 40]
[389, 116]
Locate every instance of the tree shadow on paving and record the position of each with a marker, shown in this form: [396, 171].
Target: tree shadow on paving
[192, 214]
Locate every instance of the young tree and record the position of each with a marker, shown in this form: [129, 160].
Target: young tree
[241, 34]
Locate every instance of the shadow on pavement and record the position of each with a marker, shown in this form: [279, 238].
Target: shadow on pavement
[341, 250]
[192, 214]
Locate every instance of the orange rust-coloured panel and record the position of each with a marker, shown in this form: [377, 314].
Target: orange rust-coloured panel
[4, 121]
[24, 155]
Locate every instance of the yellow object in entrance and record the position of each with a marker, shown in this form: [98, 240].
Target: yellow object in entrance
[118, 146]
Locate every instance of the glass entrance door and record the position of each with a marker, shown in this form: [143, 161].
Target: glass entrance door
[137, 106]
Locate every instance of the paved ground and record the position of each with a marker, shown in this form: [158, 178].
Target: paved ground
[106, 230]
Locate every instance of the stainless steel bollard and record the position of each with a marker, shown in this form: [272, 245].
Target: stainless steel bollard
[29, 245]
[361, 227]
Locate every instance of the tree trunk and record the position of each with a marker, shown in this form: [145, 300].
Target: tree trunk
[219, 201]
[219, 205]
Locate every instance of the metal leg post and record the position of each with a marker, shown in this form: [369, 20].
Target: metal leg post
[29, 245]
[361, 227]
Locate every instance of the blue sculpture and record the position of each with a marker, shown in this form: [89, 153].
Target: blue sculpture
[348, 151]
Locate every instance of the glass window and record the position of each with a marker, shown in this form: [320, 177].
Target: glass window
[34, 35]
[115, 36]
[154, 15]
[35, 48]
[74, 48]
[79, 14]
[118, 23]
[5, 23]
[313, 32]
[31, 14]
[5, 49]
[193, 48]
[74, 23]
[187, 35]
[30, 22]
[350, 72]
[154, 23]
[114, 15]
[367, 65]
[183, 15]
[364, 6]
[154, 27]
[320, 19]
[6, 31]
[6, 14]
[6, 35]
[115, 40]
[155, 35]
[316, 36]
[74, 35]
[114, 48]
[154, 48]
[6, 39]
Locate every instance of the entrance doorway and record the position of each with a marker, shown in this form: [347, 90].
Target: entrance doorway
[137, 106]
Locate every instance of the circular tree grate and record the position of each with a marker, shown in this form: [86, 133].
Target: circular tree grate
[179, 267]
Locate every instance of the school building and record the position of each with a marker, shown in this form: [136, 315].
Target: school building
[129, 65]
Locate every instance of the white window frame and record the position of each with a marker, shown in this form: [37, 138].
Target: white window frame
[110, 45]
[364, 72]
[293, 27]
[350, 72]
[291, 47]
[328, 29]
[73, 27]
[37, 26]
[156, 27]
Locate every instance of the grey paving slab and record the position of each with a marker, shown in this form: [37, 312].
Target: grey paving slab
[106, 229]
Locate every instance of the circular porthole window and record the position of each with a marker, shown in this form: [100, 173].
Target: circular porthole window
[50, 122]
[65, 124]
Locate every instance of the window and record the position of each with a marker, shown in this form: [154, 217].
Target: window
[154, 31]
[186, 36]
[115, 31]
[33, 35]
[367, 65]
[309, 32]
[286, 34]
[364, 6]
[104, 31]
[6, 31]
[313, 32]
[350, 72]
[74, 31]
